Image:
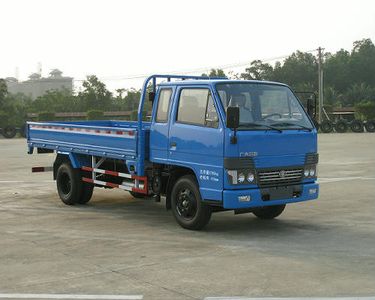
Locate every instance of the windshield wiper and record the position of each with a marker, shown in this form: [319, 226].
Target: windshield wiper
[261, 125]
[291, 124]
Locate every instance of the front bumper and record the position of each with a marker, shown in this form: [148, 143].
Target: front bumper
[234, 199]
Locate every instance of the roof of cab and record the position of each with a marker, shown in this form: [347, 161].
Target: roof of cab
[215, 81]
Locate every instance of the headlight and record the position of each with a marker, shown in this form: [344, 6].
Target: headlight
[250, 177]
[310, 171]
[241, 178]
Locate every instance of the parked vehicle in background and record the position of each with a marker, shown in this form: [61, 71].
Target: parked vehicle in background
[340, 120]
[10, 132]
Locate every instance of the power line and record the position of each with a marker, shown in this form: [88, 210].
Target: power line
[191, 71]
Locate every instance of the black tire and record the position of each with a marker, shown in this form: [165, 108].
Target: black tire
[341, 126]
[356, 126]
[69, 184]
[326, 126]
[86, 195]
[87, 188]
[370, 126]
[269, 212]
[187, 206]
[137, 195]
[9, 132]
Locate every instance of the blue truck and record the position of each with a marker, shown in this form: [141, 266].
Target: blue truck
[212, 144]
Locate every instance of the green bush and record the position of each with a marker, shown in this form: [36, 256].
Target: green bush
[365, 110]
[3, 118]
[95, 115]
[46, 116]
[145, 115]
[134, 115]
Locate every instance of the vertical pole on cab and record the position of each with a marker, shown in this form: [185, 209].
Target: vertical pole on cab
[140, 133]
[320, 84]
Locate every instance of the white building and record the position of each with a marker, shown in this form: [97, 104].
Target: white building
[37, 86]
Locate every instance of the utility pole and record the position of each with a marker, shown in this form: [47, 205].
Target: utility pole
[320, 84]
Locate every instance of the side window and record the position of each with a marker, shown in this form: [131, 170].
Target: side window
[196, 107]
[163, 105]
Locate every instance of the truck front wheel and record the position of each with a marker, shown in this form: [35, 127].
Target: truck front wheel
[187, 206]
[269, 212]
[69, 184]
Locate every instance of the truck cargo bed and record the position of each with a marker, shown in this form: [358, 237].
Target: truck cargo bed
[115, 139]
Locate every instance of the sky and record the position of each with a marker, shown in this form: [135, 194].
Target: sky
[118, 40]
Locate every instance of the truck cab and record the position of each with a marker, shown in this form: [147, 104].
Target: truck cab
[211, 145]
[263, 162]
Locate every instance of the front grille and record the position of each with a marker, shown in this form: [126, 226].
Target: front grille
[279, 177]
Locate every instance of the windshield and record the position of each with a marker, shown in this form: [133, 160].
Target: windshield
[264, 105]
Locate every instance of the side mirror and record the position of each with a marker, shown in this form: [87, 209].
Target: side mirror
[151, 96]
[233, 117]
[233, 121]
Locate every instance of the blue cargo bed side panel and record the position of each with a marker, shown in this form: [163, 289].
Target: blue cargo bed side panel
[102, 138]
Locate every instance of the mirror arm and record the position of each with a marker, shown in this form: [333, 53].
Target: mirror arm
[233, 138]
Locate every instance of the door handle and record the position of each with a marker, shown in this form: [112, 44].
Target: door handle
[173, 144]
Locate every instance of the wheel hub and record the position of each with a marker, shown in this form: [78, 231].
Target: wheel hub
[186, 204]
[66, 184]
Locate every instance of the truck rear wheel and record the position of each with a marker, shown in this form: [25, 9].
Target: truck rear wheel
[269, 212]
[87, 188]
[187, 206]
[87, 191]
[69, 184]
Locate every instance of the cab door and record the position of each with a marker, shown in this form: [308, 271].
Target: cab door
[159, 131]
[196, 138]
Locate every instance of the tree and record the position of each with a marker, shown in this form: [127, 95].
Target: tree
[362, 62]
[215, 73]
[337, 72]
[95, 94]
[359, 93]
[120, 92]
[298, 69]
[13, 109]
[258, 71]
[55, 101]
[366, 110]
[332, 97]
[132, 99]
[3, 91]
